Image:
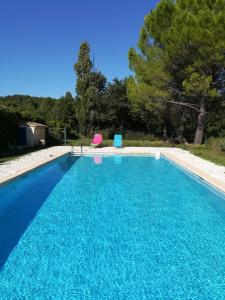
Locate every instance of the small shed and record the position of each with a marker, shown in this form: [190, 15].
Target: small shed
[31, 134]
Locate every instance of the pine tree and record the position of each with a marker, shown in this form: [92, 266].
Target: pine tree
[182, 57]
[82, 69]
[89, 86]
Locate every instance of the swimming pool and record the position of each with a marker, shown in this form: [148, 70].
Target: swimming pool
[111, 227]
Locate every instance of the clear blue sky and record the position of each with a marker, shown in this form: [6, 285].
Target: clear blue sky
[40, 41]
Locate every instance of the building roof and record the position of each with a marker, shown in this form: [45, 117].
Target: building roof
[34, 124]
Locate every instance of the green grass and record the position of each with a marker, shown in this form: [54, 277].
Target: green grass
[207, 152]
[126, 143]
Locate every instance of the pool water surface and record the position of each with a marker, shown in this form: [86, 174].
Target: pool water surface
[111, 227]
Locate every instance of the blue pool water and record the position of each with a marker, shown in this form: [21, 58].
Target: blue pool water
[111, 228]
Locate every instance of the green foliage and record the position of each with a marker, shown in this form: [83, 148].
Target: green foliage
[126, 142]
[148, 109]
[207, 152]
[114, 111]
[149, 67]
[217, 144]
[199, 85]
[222, 145]
[139, 136]
[8, 124]
[56, 113]
[89, 87]
[215, 124]
[83, 68]
[181, 57]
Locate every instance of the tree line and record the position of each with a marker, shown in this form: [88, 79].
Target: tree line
[177, 91]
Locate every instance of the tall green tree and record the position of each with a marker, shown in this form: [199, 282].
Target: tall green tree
[116, 106]
[89, 88]
[64, 112]
[182, 55]
[82, 68]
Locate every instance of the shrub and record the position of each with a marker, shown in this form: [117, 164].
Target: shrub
[222, 145]
[8, 124]
[136, 135]
[217, 144]
[107, 133]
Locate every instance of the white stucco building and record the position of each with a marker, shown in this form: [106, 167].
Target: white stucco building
[31, 134]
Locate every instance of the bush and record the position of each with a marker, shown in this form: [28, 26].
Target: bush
[8, 124]
[217, 144]
[222, 145]
[136, 135]
[107, 133]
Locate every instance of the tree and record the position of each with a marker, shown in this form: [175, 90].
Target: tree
[116, 107]
[56, 113]
[82, 68]
[182, 54]
[89, 88]
[8, 121]
[64, 112]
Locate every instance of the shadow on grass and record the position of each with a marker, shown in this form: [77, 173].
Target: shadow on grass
[15, 153]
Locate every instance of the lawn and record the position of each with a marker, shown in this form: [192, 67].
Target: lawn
[207, 152]
[126, 143]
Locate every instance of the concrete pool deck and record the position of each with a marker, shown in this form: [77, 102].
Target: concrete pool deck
[210, 172]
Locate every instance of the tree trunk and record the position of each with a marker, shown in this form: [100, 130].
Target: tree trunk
[165, 136]
[199, 134]
[180, 131]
